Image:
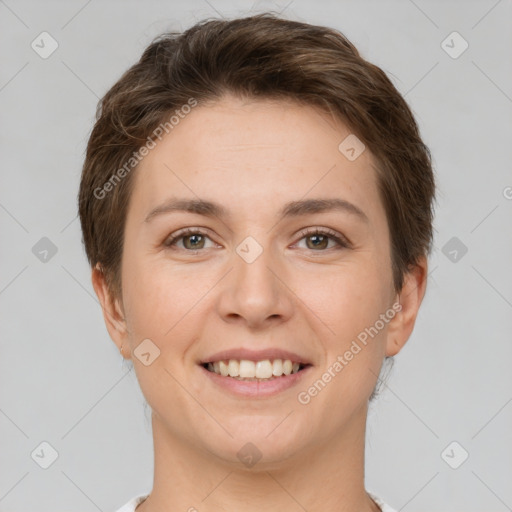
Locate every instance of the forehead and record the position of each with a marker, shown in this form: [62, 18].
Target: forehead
[258, 154]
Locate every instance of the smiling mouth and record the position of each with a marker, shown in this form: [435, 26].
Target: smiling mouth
[251, 371]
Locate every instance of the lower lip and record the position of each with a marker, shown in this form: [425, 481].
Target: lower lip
[255, 389]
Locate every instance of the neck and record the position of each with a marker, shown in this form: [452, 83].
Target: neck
[327, 477]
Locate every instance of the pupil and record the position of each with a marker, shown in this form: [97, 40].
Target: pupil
[192, 237]
[320, 238]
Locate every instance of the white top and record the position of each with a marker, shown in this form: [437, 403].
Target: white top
[132, 504]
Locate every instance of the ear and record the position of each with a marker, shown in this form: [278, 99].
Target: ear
[112, 310]
[410, 298]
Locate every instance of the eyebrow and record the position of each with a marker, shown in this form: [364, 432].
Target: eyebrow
[291, 209]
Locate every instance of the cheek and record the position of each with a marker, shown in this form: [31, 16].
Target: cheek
[154, 300]
[353, 347]
[347, 297]
[162, 302]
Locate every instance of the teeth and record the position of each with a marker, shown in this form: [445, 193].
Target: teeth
[251, 370]
[277, 368]
[224, 369]
[264, 369]
[233, 368]
[247, 369]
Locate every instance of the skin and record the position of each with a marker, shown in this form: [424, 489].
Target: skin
[253, 156]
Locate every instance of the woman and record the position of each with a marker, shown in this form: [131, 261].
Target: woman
[256, 207]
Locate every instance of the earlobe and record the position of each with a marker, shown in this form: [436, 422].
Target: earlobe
[410, 298]
[112, 311]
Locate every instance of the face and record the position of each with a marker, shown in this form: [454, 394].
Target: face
[260, 275]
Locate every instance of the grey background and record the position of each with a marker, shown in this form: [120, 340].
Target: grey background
[61, 376]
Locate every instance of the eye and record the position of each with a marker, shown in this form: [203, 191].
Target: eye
[320, 238]
[317, 239]
[193, 239]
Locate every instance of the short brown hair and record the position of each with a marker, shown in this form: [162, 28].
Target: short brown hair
[260, 57]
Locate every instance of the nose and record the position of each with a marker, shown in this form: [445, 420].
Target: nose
[256, 292]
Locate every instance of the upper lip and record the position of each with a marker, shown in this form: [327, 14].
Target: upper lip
[255, 355]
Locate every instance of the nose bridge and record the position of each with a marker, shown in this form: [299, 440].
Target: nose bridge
[254, 290]
[252, 273]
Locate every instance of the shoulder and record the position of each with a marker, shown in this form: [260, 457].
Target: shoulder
[383, 506]
[132, 504]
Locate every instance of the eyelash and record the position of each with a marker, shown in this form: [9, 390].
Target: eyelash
[342, 242]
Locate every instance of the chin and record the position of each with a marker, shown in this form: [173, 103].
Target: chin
[262, 444]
